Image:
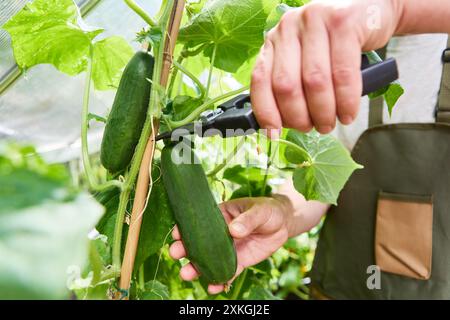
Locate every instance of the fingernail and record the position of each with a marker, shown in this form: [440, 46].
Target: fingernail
[325, 129]
[346, 119]
[238, 227]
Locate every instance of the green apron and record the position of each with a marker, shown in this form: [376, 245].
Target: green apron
[389, 237]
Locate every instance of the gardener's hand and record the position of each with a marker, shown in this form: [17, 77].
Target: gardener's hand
[259, 226]
[308, 70]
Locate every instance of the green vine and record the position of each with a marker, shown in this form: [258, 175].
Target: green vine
[239, 283]
[197, 82]
[89, 173]
[85, 122]
[141, 12]
[205, 106]
[211, 71]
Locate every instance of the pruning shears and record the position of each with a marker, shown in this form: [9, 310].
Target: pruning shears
[235, 117]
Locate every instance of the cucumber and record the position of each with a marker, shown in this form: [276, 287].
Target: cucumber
[126, 119]
[203, 229]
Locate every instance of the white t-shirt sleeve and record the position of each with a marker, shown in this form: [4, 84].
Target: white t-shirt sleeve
[420, 67]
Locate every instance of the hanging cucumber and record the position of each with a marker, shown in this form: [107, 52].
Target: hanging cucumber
[208, 243]
[128, 113]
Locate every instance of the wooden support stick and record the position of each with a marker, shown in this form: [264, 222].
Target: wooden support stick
[143, 181]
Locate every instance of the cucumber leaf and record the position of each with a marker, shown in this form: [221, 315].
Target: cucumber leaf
[295, 3]
[182, 106]
[242, 175]
[154, 290]
[234, 27]
[35, 234]
[52, 32]
[392, 92]
[323, 165]
[47, 31]
[250, 181]
[110, 55]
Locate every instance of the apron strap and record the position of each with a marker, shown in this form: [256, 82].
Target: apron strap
[443, 108]
[376, 105]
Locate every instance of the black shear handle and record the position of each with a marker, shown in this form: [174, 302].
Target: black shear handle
[377, 76]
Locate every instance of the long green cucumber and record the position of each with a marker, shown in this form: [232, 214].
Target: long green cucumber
[128, 113]
[202, 226]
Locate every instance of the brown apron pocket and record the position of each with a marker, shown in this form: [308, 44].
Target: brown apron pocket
[403, 237]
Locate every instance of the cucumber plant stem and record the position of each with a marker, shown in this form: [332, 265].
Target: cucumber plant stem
[89, 173]
[197, 82]
[141, 277]
[194, 52]
[269, 163]
[207, 104]
[174, 75]
[141, 12]
[239, 284]
[121, 210]
[373, 56]
[211, 70]
[85, 123]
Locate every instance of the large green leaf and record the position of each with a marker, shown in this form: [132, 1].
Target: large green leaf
[323, 165]
[25, 180]
[39, 244]
[242, 175]
[110, 56]
[43, 227]
[252, 181]
[182, 106]
[110, 200]
[23, 188]
[234, 27]
[52, 32]
[47, 31]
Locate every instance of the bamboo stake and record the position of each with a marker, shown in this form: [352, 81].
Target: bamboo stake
[142, 185]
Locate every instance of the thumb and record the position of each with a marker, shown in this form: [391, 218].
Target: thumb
[249, 221]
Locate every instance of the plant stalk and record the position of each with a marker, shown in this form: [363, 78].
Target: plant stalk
[85, 123]
[174, 76]
[141, 12]
[88, 171]
[197, 82]
[196, 113]
[211, 71]
[269, 163]
[239, 284]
